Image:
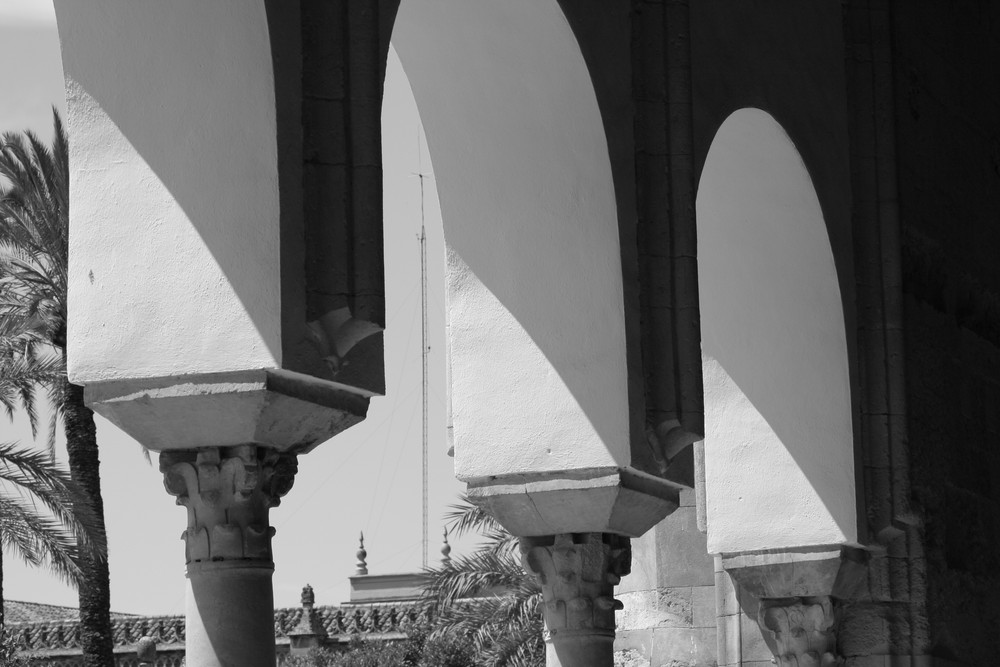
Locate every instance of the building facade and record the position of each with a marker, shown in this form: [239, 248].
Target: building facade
[722, 294]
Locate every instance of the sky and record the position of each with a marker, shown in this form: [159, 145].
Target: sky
[367, 478]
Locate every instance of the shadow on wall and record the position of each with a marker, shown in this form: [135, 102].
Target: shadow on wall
[779, 442]
[528, 203]
[175, 179]
[188, 166]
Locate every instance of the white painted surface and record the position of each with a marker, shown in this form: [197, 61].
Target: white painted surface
[174, 262]
[779, 462]
[27, 13]
[537, 339]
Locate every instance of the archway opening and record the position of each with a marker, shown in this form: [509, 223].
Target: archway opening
[537, 338]
[779, 461]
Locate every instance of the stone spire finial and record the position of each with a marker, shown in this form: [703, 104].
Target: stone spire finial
[308, 596]
[446, 550]
[308, 632]
[362, 565]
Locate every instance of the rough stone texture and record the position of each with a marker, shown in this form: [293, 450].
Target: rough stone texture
[948, 148]
[955, 473]
[630, 658]
[669, 600]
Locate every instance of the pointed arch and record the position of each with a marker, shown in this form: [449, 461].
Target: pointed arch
[779, 439]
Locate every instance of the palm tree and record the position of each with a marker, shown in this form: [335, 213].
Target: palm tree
[24, 366]
[486, 596]
[37, 521]
[54, 536]
[34, 230]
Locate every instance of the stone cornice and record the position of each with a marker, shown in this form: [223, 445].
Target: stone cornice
[276, 408]
[624, 501]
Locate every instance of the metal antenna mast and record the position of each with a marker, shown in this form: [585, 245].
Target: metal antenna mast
[423, 350]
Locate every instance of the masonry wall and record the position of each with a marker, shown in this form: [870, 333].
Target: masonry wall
[670, 601]
[947, 123]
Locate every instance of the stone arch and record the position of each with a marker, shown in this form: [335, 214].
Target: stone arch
[147, 139]
[249, 151]
[779, 462]
[528, 203]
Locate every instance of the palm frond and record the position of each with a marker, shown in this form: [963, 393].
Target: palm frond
[34, 235]
[467, 517]
[476, 574]
[38, 540]
[486, 597]
[32, 473]
[34, 214]
[521, 646]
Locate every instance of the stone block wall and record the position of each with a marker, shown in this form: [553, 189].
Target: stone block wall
[669, 617]
[740, 642]
[947, 117]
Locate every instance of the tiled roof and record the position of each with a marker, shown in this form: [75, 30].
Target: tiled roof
[15, 611]
[59, 633]
[356, 619]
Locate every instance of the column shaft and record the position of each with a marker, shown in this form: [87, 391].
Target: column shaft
[230, 615]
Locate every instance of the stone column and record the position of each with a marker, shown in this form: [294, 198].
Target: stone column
[230, 603]
[578, 573]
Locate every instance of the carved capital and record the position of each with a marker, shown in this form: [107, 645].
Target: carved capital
[578, 573]
[227, 492]
[800, 631]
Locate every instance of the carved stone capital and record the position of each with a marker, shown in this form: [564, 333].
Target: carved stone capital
[578, 573]
[800, 631]
[227, 492]
[798, 593]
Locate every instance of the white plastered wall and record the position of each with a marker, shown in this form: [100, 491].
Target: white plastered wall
[779, 463]
[537, 339]
[174, 264]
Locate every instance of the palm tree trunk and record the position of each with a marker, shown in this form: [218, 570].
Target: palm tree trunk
[95, 591]
[2, 619]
